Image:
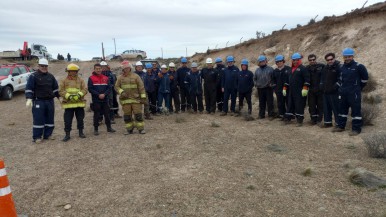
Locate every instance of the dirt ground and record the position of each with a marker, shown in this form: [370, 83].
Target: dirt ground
[184, 166]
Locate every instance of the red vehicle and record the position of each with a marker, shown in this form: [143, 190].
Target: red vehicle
[13, 77]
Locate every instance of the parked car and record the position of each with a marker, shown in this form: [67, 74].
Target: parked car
[111, 57]
[75, 59]
[132, 54]
[13, 77]
[96, 59]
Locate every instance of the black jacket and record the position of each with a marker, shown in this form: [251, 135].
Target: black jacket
[329, 79]
[41, 86]
[181, 74]
[315, 75]
[297, 80]
[210, 77]
[279, 77]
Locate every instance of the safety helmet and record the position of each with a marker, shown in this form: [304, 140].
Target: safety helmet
[72, 67]
[139, 63]
[348, 52]
[296, 56]
[209, 60]
[43, 61]
[125, 64]
[230, 59]
[194, 65]
[218, 60]
[184, 60]
[148, 66]
[244, 62]
[103, 63]
[279, 58]
[164, 67]
[261, 58]
[172, 65]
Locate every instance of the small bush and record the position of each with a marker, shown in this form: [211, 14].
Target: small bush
[363, 178]
[215, 124]
[371, 85]
[371, 99]
[312, 21]
[298, 26]
[369, 113]
[307, 172]
[376, 145]
[180, 120]
[251, 187]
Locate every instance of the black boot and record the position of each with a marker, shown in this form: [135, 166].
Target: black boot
[66, 137]
[96, 133]
[81, 134]
[110, 130]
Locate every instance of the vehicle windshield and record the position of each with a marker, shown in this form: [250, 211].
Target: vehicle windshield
[4, 71]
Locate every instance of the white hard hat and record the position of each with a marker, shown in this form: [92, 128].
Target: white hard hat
[139, 63]
[172, 64]
[209, 60]
[164, 67]
[194, 65]
[43, 62]
[103, 63]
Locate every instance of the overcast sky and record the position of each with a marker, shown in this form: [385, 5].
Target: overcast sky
[78, 27]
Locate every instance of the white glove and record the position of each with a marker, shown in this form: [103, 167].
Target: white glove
[28, 103]
[284, 92]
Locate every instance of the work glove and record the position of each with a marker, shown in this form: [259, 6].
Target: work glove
[74, 97]
[304, 92]
[284, 92]
[143, 101]
[28, 103]
[125, 94]
[160, 75]
[80, 94]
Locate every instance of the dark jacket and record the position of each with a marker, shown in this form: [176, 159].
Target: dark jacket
[229, 79]
[220, 71]
[315, 75]
[210, 76]
[353, 78]
[174, 81]
[141, 74]
[329, 78]
[163, 83]
[193, 83]
[181, 74]
[245, 81]
[150, 82]
[112, 81]
[262, 76]
[41, 86]
[99, 84]
[297, 79]
[279, 77]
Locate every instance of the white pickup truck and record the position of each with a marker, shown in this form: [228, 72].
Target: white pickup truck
[13, 77]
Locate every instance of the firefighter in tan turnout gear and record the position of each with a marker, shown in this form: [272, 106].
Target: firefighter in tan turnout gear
[132, 95]
[73, 89]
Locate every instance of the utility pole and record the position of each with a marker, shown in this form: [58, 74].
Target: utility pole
[115, 47]
[226, 45]
[283, 26]
[103, 52]
[186, 51]
[216, 46]
[240, 39]
[162, 53]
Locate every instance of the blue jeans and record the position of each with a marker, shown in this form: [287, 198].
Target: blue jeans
[161, 97]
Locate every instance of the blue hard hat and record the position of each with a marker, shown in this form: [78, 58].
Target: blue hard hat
[244, 62]
[148, 65]
[296, 56]
[348, 52]
[261, 58]
[218, 60]
[279, 58]
[230, 59]
[184, 60]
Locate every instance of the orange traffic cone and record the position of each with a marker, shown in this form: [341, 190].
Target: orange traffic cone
[7, 207]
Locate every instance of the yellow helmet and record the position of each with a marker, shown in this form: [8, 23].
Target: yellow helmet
[72, 67]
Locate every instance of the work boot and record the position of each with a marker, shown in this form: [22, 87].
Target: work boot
[81, 134]
[323, 125]
[129, 132]
[223, 114]
[110, 130]
[37, 141]
[142, 131]
[96, 133]
[148, 116]
[299, 124]
[66, 137]
[337, 129]
[354, 133]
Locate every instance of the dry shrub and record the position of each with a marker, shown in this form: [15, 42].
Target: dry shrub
[180, 120]
[364, 178]
[273, 41]
[369, 113]
[323, 37]
[371, 85]
[376, 145]
[371, 99]
[215, 124]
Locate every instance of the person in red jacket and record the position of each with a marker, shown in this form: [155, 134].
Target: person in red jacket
[100, 87]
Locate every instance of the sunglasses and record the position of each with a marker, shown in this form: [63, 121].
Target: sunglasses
[43, 66]
[311, 60]
[330, 59]
[347, 57]
[279, 61]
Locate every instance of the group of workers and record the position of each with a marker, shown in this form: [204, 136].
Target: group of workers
[331, 89]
